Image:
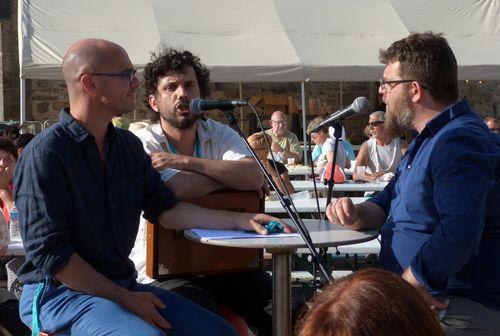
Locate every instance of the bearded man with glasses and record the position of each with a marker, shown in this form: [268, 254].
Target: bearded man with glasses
[381, 153]
[439, 217]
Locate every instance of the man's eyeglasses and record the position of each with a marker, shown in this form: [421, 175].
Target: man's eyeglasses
[278, 122]
[130, 74]
[388, 85]
[375, 123]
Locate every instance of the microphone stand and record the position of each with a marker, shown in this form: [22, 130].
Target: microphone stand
[337, 134]
[301, 228]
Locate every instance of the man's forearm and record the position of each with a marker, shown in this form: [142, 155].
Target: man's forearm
[243, 174]
[80, 276]
[186, 184]
[186, 215]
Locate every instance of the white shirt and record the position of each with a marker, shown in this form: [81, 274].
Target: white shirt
[217, 141]
[327, 147]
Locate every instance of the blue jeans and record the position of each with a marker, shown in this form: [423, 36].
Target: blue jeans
[63, 309]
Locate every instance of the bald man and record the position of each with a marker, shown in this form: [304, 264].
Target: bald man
[284, 141]
[80, 188]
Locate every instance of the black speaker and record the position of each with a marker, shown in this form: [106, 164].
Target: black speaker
[4, 10]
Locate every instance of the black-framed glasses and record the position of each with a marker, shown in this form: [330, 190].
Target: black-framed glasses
[375, 123]
[130, 74]
[388, 85]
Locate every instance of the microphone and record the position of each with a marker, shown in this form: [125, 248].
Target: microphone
[360, 105]
[198, 106]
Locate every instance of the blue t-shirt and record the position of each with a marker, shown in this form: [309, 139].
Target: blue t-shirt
[443, 208]
[69, 200]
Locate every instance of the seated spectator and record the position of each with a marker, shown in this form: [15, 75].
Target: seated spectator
[8, 158]
[326, 155]
[349, 150]
[493, 124]
[285, 143]
[259, 145]
[318, 138]
[367, 303]
[381, 153]
[22, 141]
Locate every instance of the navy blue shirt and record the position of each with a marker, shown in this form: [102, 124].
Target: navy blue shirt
[443, 208]
[69, 200]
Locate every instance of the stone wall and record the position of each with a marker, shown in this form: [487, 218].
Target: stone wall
[45, 98]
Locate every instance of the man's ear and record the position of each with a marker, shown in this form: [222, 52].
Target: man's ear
[416, 92]
[88, 84]
[152, 103]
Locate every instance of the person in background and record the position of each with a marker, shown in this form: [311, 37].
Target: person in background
[8, 159]
[285, 143]
[22, 141]
[381, 153]
[318, 138]
[493, 124]
[369, 302]
[258, 144]
[439, 217]
[80, 187]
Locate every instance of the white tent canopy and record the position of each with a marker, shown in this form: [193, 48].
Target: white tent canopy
[262, 40]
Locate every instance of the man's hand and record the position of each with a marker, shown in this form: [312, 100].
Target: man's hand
[375, 176]
[255, 222]
[162, 160]
[342, 211]
[433, 303]
[145, 305]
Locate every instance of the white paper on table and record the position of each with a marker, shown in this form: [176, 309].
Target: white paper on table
[235, 234]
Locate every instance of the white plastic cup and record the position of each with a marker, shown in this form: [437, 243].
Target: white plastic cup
[360, 170]
[290, 161]
[279, 157]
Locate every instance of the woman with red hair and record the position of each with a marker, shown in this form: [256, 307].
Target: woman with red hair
[370, 302]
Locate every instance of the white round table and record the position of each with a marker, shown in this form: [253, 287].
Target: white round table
[323, 234]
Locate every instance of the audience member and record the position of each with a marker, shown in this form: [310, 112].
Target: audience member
[80, 188]
[318, 138]
[381, 153]
[349, 150]
[326, 155]
[197, 156]
[439, 217]
[369, 302]
[258, 144]
[8, 158]
[285, 143]
[22, 141]
[493, 124]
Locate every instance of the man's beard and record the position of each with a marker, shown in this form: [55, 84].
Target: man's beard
[185, 122]
[399, 118]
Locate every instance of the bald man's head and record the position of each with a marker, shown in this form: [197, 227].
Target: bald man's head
[279, 123]
[89, 55]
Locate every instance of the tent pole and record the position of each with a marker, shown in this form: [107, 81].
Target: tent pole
[241, 108]
[22, 100]
[304, 126]
[341, 97]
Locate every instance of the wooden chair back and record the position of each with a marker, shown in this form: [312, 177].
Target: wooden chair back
[169, 254]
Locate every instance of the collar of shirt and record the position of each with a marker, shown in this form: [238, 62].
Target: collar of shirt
[76, 131]
[435, 125]
[204, 135]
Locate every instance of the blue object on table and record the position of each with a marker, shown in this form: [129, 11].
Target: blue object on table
[274, 227]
